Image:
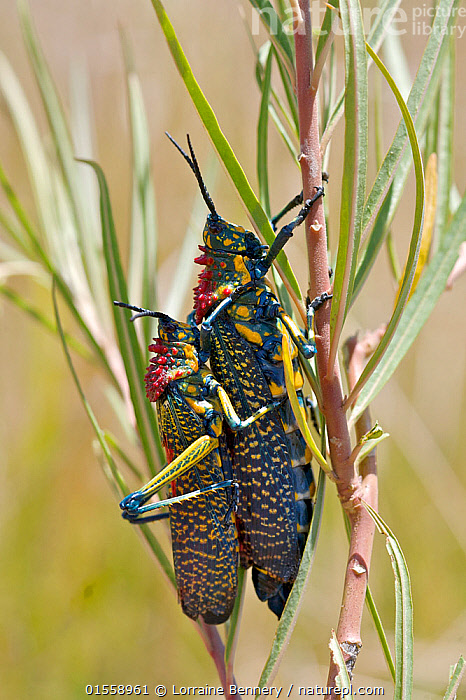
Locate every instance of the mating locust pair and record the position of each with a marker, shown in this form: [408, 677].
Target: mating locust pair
[239, 469]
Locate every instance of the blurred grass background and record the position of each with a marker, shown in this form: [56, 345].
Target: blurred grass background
[80, 600]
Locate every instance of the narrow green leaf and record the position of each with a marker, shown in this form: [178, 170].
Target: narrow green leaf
[298, 411]
[116, 476]
[445, 16]
[35, 157]
[283, 133]
[233, 623]
[115, 445]
[221, 144]
[82, 134]
[397, 187]
[290, 94]
[143, 239]
[43, 320]
[413, 253]
[263, 134]
[290, 613]
[276, 31]
[75, 202]
[403, 612]
[290, 116]
[37, 251]
[446, 151]
[354, 169]
[397, 63]
[418, 310]
[326, 27]
[380, 631]
[129, 346]
[21, 249]
[455, 680]
[375, 38]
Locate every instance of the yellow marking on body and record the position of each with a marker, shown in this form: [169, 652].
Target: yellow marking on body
[242, 311]
[298, 380]
[249, 335]
[276, 389]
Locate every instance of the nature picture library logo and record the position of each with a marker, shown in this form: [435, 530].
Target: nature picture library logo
[417, 20]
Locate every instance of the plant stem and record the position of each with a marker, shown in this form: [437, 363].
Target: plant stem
[216, 649]
[319, 282]
[362, 525]
[350, 487]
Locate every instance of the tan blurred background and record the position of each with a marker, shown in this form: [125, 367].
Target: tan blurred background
[80, 600]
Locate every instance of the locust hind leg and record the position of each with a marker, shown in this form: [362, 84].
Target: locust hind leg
[187, 460]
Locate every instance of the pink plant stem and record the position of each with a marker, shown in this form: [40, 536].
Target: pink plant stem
[319, 282]
[350, 488]
[362, 525]
[216, 649]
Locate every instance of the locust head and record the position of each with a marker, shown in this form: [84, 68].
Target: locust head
[175, 351]
[175, 355]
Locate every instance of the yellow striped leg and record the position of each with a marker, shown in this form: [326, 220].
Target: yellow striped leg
[186, 460]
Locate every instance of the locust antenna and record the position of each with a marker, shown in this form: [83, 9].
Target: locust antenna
[145, 312]
[193, 164]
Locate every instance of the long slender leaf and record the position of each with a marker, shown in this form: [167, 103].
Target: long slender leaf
[143, 252]
[397, 187]
[263, 133]
[403, 612]
[413, 253]
[42, 319]
[31, 144]
[354, 169]
[440, 34]
[420, 306]
[380, 631]
[290, 94]
[82, 134]
[64, 148]
[331, 11]
[40, 254]
[455, 680]
[233, 628]
[276, 32]
[293, 397]
[293, 604]
[375, 38]
[126, 333]
[221, 144]
[397, 63]
[445, 141]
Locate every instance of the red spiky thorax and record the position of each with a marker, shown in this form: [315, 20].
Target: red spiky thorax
[171, 361]
[223, 272]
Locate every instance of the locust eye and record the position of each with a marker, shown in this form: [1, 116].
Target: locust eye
[214, 224]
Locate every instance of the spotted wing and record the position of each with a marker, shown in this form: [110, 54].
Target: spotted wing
[202, 528]
[266, 518]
